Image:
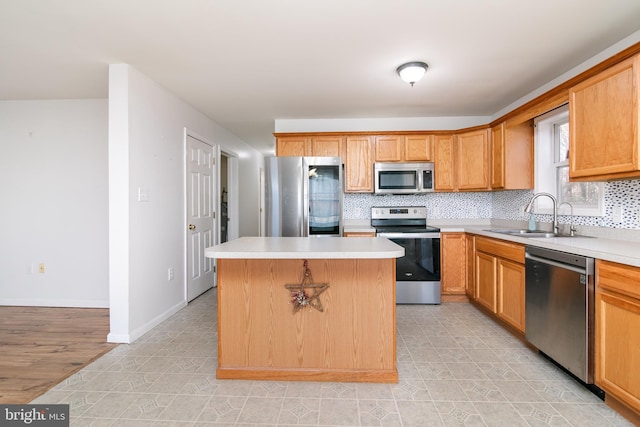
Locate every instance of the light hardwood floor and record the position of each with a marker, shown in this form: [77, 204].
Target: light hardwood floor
[41, 346]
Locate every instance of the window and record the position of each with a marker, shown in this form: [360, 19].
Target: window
[552, 169]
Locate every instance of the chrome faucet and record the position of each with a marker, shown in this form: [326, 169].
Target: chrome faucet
[572, 229]
[529, 208]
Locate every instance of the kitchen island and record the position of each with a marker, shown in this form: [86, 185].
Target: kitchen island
[307, 309]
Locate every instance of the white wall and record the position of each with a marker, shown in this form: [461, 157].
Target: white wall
[53, 175]
[146, 149]
[379, 124]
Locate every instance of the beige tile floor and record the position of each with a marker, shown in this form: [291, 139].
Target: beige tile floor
[456, 367]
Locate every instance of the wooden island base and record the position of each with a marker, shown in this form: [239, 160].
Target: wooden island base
[353, 338]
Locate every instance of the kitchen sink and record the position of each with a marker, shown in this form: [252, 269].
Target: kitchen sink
[528, 233]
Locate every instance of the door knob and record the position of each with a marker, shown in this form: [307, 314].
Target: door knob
[192, 227]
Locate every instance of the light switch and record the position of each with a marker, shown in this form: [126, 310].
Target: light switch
[143, 194]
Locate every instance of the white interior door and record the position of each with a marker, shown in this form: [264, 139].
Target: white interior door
[200, 215]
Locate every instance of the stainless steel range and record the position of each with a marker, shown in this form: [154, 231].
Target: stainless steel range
[418, 271]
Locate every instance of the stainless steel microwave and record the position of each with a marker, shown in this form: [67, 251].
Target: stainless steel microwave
[403, 178]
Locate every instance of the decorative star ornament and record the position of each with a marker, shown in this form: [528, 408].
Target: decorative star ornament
[300, 298]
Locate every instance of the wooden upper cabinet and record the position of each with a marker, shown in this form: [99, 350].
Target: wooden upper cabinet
[389, 148]
[404, 148]
[292, 146]
[309, 145]
[418, 148]
[472, 151]
[512, 156]
[330, 146]
[603, 124]
[497, 156]
[444, 157]
[358, 165]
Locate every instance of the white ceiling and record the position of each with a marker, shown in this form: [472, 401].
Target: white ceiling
[245, 63]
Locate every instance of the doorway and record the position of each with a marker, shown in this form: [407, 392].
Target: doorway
[229, 205]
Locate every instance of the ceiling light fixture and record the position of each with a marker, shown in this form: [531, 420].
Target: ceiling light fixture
[412, 72]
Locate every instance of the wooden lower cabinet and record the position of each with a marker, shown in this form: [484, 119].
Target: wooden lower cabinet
[618, 332]
[510, 293]
[500, 279]
[453, 254]
[471, 248]
[359, 234]
[485, 280]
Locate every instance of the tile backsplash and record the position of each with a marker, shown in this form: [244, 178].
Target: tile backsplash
[502, 205]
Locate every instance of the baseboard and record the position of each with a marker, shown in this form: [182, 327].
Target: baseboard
[622, 409]
[454, 298]
[68, 303]
[138, 332]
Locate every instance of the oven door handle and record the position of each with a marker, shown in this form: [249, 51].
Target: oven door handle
[409, 235]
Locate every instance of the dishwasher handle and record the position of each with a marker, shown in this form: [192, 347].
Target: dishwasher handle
[556, 263]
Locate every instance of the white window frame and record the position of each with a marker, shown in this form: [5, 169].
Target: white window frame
[548, 163]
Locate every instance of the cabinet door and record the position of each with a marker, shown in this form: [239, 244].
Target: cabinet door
[486, 280]
[389, 148]
[497, 156]
[617, 326]
[470, 281]
[359, 164]
[293, 146]
[603, 127]
[511, 292]
[518, 156]
[618, 346]
[444, 156]
[330, 146]
[417, 148]
[453, 254]
[472, 150]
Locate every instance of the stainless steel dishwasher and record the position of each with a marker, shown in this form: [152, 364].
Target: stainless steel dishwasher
[560, 308]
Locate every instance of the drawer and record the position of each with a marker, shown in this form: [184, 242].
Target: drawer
[501, 248]
[620, 278]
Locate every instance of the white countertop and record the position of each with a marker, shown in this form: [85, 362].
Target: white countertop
[621, 251]
[306, 247]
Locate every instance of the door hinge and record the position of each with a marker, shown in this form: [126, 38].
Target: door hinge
[213, 161]
[213, 215]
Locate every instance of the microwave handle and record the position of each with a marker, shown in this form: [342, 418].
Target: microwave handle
[422, 183]
[420, 180]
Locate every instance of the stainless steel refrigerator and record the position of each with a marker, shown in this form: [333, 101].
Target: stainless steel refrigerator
[303, 196]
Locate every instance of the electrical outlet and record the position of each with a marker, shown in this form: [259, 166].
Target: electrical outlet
[435, 212]
[170, 273]
[41, 268]
[474, 211]
[616, 214]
